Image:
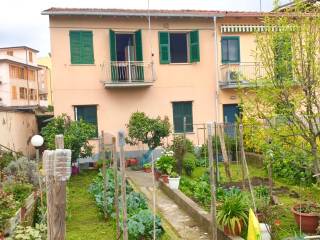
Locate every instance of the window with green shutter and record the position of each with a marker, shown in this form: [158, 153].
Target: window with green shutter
[182, 110]
[179, 47]
[230, 49]
[81, 47]
[87, 113]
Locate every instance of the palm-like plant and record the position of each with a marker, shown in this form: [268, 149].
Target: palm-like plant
[233, 213]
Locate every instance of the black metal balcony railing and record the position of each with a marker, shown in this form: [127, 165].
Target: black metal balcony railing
[240, 74]
[128, 74]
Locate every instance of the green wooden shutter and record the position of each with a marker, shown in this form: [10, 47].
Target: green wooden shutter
[181, 110]
[164, 47]
[87, 47]
[194, 46]
[113, 55]
[75, 47]
[139, 56]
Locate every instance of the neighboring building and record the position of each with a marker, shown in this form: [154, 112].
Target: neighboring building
[18, 76]
[45, 89]
[107, 64]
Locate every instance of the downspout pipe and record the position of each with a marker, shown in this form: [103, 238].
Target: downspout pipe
[216, 69]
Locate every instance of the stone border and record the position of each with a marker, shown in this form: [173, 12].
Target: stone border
[193, 209]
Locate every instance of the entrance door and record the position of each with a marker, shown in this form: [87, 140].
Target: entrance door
[230, 113]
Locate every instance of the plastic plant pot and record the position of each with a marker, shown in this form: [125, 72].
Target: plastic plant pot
[174, 182]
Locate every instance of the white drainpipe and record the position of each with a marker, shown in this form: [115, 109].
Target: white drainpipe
[216, 68]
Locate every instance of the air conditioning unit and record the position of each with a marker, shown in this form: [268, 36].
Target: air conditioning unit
[232, 76]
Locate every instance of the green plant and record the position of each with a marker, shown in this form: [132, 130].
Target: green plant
[7, 209]
[165, 164]
[39, 232]
[233, 212]
[19, 191]
[189, 163]
[5, 159]
[147, 130]
[140, 225]
[76, 135]
[174, 175]
[147, 165]
[180, 146]
[23, 170]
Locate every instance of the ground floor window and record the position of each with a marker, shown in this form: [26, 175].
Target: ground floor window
[230, 113]
[87, 113]
[182, 110]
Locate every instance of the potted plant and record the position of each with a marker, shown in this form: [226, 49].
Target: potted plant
[165, 165]
[233, 214]
[262, 200]
[147, 168]
[133, 161]
[174, 180]
[307, 216]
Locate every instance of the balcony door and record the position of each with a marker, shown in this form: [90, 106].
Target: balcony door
[126, 56]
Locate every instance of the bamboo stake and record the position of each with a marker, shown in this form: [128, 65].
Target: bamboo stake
[212, 183]
[121, 140]
[154, 197]
[224, 152]
[243, 156]
[104, 173]
[116, 185]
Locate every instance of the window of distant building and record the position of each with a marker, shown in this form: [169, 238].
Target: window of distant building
[181, 111]
[87, 113]
[230, 48]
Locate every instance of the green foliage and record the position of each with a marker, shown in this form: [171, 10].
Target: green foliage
[76, 135]
[7, 209]
[19, 191]
[39, 232]
[23, 170]
[5, 159]
[147, 130]
[140, 225]
[180, 146]
[189, 163]
[233, 212]
[165, 164]
[140, 219]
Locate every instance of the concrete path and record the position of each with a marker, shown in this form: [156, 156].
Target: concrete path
[184, 226]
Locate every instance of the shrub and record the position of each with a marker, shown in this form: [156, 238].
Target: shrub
[76, 135]
[5, 159]
[39, 232]
[180, 146]
[19, 191]
[8, 207]
[189, 163]
[23, 170]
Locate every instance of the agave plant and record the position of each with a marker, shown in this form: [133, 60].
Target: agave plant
[233, 213]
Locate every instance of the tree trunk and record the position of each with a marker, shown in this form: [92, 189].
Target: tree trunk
[314, 151]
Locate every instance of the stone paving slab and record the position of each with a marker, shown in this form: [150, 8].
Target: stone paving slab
[182, 223]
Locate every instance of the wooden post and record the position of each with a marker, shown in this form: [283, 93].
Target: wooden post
[116, 185]
[224, 152]
[212, 183]
[121, 140]
[243, 156]
[104, 173]
[56, 202]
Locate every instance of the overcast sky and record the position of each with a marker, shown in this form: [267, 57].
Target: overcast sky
[22, 23]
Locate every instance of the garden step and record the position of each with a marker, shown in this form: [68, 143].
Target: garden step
[179, 220]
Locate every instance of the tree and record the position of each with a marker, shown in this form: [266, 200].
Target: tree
[147, 130]
[76, 135]
[286, 95]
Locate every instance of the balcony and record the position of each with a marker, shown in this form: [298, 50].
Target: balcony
[124, 74]
[242, 74]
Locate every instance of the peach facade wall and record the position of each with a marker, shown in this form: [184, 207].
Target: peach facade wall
[82, 84]
[16, 129]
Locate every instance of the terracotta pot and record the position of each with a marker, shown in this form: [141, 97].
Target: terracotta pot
[157, 175]
[128, 162]
[147, 170]
[237, 231]
[165, 178]
[1, 236]
[133, 161]
[308, 221]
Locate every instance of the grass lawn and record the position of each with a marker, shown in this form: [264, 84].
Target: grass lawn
[84, 220]
[287, 227]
